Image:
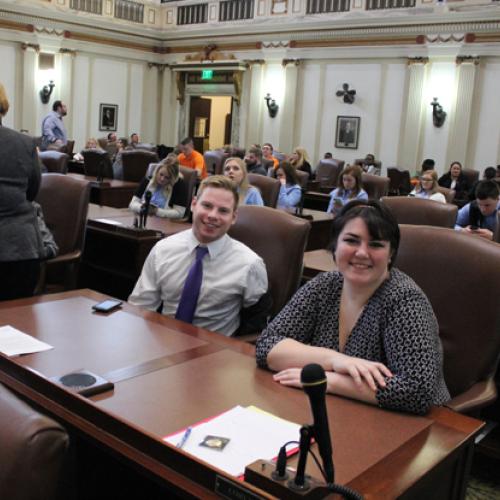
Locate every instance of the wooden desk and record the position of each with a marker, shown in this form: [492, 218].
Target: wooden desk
[115, 252]
[168, 375]
[317, 261]
[110, 192]
[316, 200]
[321, 227]
[102, 211]
[75, 167]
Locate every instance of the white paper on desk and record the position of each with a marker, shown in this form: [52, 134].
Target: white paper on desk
[253, 435]
[14, 342]
[110, 221]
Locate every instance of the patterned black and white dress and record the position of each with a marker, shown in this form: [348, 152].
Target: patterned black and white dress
[397, 327]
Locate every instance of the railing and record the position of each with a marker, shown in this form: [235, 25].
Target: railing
[234, 10]
[324, 6]
[389, 4]
[92, 6]
[130, 11]
[192, 14]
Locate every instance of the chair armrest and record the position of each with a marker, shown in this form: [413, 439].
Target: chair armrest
[478, 396]
[67, 257]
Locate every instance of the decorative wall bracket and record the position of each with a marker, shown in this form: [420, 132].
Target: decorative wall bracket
[272, 107]
[438, 113]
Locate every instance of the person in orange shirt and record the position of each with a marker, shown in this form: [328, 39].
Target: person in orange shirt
[267, 154]
[191, 158]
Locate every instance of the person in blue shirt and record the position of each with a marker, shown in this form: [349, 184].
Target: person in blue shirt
[290, 190]
[349, 188]
[479, 217]
[53, 129]
[236, 169]
[429, 187]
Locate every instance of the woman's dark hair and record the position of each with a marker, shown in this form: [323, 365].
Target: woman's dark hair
[379, 220]
[290, 174]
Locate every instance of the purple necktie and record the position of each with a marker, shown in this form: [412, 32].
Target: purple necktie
[191, 290]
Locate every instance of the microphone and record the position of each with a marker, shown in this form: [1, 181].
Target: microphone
[313, 380]
[147, 201]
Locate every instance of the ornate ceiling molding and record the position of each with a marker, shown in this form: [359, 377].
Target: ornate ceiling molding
[467, 60]
[417, 60]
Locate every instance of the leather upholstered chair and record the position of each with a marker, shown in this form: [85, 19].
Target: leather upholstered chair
[471, 175]
[214, 160]
[377, 164]
[189, 177]
[303, 178]
[269, 188]
[33, 449]
[64, 201]
[496, 233]
[280, 239]
[411, 210]
[327, 173]
[449, 194]
[135, 164]
[54, 161]
[460, 275]
[399, 182]
[97, 163]
[375, 185]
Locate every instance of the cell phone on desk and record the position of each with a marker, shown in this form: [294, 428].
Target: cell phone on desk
[473, 227]
[107, 305]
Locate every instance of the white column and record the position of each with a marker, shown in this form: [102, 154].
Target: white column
[168, 109]
[66, 89]
[150, 99]
[256, 105]
[461, 115]
[412, 124]
[29, 93]
[288, 108]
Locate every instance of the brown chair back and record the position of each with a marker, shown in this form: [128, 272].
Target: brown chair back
[361, 162]
[303, 178]
[135, 164]
[33, 450]
[103, 142]
[460, 275]
[96, 163]
[496, 233]
[449, 194]
[399, 182]
[327, 171]
[471, 175]
[189, 177]
[280, 239]
[375, 185]
[411, 210]
[54, 161]
[269, 188]
[213, 161]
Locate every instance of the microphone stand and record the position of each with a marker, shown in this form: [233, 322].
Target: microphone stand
[301, 481]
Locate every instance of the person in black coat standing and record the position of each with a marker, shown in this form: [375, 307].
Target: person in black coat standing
[20, 239]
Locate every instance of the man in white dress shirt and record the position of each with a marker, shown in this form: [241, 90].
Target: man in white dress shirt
[234, 277]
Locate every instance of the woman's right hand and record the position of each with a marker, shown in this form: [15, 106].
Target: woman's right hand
[361, 370]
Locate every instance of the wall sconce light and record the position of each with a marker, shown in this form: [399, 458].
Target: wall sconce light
[348, 95]
[438, 113]
[46, 92]
[272, 107]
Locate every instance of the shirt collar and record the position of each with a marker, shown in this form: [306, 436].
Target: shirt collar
[214, 247]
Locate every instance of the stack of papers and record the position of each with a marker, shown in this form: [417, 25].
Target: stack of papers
[13, 342]
[252, 433]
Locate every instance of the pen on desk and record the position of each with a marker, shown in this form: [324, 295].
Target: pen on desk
[184, 438]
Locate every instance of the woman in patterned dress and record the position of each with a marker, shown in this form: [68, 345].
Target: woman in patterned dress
[368, 324]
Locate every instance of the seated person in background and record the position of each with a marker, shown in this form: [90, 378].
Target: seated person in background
[368, 324]
[192, 159]
[350, 187]
[299, 159]
[112, 144]
[233, 276]
[121, 145]
[267, 155]
[134, 140]
[488, 175]
[428, 164]
[90, 144]
[428, 188]
[369, 165]
[168, 194]
[290, 190]
[455, 179]
[479, 217]
[328, 156]
[253, 160]
[236, 170]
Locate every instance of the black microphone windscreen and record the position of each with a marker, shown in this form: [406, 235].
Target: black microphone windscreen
[312, 375]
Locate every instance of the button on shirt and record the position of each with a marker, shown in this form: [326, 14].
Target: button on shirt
[233, 277]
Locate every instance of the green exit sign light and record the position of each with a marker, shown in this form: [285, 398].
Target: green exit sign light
[207, 74]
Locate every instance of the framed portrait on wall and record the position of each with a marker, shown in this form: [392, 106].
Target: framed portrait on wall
[108, 117]
[347, 133]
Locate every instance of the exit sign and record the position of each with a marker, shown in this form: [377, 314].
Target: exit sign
[207, 74]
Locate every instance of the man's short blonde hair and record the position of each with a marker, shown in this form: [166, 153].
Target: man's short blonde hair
[220, 182]
[4, 102]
